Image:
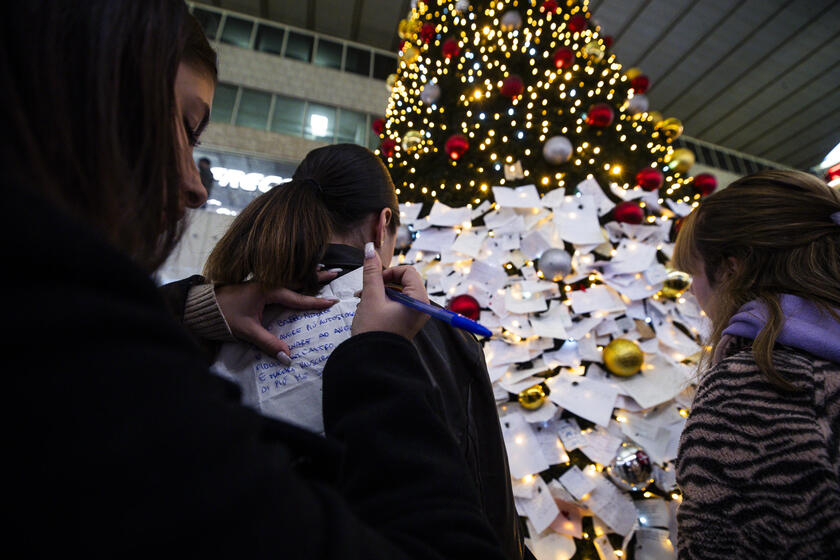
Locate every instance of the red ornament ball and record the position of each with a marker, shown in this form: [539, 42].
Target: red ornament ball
[705, 183]
[563, 57]
[388, 146]
[402, 45]
[549, 7]
[640, 83]
[378, 125]
[608, 41]
[466, 305]
[649, 178]
[450, 48]
[628, 213]
[600, 115]
[427, 32]
[456, 146]
[577, 23]
[512, 86]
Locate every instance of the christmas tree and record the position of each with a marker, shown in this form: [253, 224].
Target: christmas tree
[541, 197]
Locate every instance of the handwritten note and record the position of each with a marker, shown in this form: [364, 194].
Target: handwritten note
[293, 393]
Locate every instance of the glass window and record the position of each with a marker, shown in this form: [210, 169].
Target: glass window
[737, 164]
[209, 21]
[383, 66]
[358, 61]
[299, 46]
[750, 166]
[708, 158]
[269, 39]
[223, 101]
[253, 108]
[319, 123]
[328, 54]
[288, 115]
[237, 32]
[373, 140]
[352, 127]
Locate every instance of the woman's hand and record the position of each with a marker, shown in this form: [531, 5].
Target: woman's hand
[377, 312]
[242, 307]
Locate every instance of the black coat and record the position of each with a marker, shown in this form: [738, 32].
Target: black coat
[122, 443]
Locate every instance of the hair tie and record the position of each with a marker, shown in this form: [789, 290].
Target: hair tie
[836, 217]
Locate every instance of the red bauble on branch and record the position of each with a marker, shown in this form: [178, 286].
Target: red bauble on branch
[549, 7]
[649, 178]
[427, 32]
[512, 86]
[456, 145]
[378, 125]
[705, 183]
[640, 83]
[577, 23]
[600, 115]
[466, 305]
[402, 45]
[388, 146]
[450, 48]
[563, 57]
[608, 41]
[628, 213]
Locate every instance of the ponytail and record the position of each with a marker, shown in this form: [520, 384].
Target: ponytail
[277, 240]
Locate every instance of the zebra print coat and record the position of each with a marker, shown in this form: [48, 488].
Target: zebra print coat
[759, 468]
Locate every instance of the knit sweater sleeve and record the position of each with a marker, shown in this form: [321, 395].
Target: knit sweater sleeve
[755, 464]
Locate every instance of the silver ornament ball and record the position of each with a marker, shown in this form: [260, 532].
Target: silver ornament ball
[555, 264]
[638, 104]
[430, 93]
[631, 469]
[404, 237]
[557, 149]
[462, 5]
[511, 20]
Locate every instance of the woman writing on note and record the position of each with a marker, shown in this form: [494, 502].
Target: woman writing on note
[340, 200]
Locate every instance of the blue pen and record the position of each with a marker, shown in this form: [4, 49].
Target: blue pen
[455, 319]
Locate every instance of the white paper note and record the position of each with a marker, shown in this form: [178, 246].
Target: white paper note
[524, 454]
[443, 215]
[540, 509]
[576, 482]
[588, 399]
[577, 220]
[434, 240]
[596, 298]
[525, 196]
[613, 506]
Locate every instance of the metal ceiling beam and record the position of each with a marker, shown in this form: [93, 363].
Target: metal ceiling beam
[816, 156]
[794, 132]
[617, 37]
[594, 5]
[745, 39]
[739, 78]
[825, 120]
[665, 31]
[759, 89]
[688, 52]
[785, 122]
[356, 19]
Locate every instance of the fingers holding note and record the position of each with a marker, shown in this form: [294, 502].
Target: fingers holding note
[377, 312]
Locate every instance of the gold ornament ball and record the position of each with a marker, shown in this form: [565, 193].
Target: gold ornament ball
[594, 50]
[391, 81]
[412, 140]
[632, 73]
[407, 29]
[671, 128]
[681, 159]
[411, 54]
[623, 357]
[676, 283]
[532, 398]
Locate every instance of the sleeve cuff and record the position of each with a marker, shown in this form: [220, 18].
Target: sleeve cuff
[203, 317]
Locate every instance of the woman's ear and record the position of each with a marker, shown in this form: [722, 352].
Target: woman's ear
[730, 268]
[381, 224]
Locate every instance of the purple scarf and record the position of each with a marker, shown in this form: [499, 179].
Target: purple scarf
[806, 327]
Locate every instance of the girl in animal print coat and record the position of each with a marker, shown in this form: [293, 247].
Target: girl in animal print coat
[759, 460]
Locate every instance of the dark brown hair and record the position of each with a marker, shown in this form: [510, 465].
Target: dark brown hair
[280, 237]
[776, 227]
[88, 103]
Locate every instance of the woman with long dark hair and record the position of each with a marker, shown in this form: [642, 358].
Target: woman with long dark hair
[121, 442]
[759, 459]
[341, 198]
